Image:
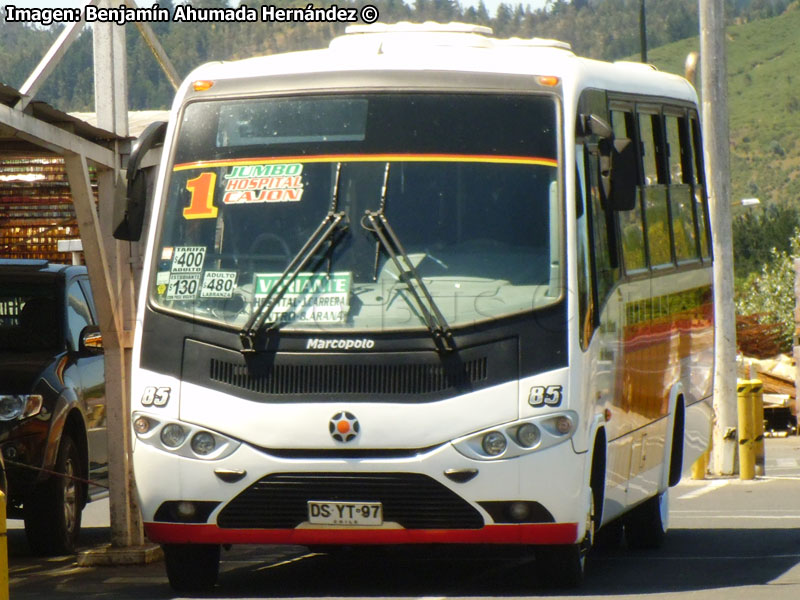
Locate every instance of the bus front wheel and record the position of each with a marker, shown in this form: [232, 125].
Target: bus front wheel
[191, 567]
[561, 566]
[565, 566]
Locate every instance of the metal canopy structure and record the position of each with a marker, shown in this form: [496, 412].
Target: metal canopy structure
[17, 142]
[35, 129]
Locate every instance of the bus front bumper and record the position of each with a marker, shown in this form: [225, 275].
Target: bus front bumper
[534, 534]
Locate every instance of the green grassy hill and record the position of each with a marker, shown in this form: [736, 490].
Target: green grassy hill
[764, 104]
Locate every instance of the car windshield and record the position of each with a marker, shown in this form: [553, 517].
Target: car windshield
[28, 318]
[467, 183]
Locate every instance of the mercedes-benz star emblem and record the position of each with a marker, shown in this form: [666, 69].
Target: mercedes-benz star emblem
[344, 427]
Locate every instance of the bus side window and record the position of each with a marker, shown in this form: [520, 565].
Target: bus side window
[654, 191]
[680, 190]
[601, 224]
[698, 183]
[585, 301]
[630, 221]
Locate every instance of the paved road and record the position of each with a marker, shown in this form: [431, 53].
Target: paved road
[731, 538]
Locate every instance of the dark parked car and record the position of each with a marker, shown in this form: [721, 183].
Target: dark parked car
[52, 399]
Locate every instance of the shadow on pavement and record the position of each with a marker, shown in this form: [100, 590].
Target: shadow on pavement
[691, 560]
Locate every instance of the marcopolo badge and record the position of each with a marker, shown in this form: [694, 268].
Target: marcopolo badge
[344, 427]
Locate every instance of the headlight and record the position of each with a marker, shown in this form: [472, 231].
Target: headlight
[203, 443]
[494, 443]
[517, 438]
[173, 435]
[528, 435]
[19, 407]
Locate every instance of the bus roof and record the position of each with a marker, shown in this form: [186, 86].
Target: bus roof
[455, 47]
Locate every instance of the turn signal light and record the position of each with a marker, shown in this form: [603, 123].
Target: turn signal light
[548, 80]
[201, 85]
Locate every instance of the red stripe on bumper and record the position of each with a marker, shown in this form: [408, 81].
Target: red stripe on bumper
[536, 533]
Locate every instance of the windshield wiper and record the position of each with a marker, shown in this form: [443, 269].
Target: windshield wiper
[407, 273]
[333, 222]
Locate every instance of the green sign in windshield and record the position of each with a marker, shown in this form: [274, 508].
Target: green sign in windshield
[310, 298]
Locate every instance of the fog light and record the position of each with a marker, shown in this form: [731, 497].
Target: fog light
[203, 443]
[563, 425]
[173, 435]
[519, 511]
[528, 435]
[141, 425]
[494, 443]
[185, 510]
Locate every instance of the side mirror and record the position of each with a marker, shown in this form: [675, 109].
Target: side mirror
[91, 340]
[617, 165]
[129, 211]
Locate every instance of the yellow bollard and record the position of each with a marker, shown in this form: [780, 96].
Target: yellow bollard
[758, 423]
[3, 550]
[747, 457]
[700, 466]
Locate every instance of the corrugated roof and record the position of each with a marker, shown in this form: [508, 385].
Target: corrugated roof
[11, 144]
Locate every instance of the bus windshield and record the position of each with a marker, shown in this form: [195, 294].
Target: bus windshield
[467, 183]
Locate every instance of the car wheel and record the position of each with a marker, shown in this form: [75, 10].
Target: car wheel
[53, 511]
[191, 568]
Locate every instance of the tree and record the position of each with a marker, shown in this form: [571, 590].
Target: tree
[770, 293]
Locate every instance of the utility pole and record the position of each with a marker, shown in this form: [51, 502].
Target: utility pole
[714, 95]
[643, 30]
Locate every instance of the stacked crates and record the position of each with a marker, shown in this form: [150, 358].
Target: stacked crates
[35, 208]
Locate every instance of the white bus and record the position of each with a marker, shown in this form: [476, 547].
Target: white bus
[425, 286]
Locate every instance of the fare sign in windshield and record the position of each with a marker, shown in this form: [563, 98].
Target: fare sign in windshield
[310, 298]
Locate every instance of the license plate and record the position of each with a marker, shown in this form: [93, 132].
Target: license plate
[345, 513]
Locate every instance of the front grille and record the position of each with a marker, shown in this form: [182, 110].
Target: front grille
[375, 379]
[415, 501]
[410, 377]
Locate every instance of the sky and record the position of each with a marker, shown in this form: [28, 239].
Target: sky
[491, 5]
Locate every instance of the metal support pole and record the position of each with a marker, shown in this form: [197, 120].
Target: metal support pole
[111, 106]
[713, 74]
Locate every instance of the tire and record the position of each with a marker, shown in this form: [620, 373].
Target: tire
[52, 513]
[646, 525]
[564, 567]
[561, 566]
[192, 568]
[609, 537]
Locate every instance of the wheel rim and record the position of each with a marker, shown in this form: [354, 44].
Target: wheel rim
[70, 490]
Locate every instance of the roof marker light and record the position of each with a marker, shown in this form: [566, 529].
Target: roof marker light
[548, 80]
[201, 85]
